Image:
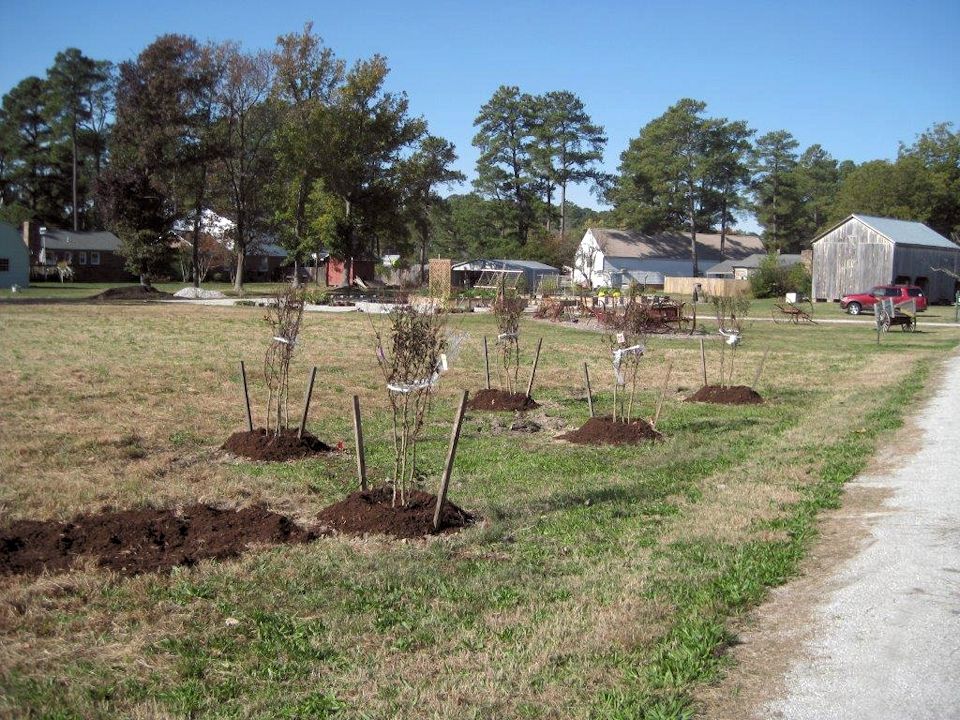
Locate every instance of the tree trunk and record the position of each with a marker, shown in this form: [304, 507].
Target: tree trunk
[195, 254]
[723, 225]
[73, 136]
[241, 258]
[693, 238]
[563, 212]
[296, 273]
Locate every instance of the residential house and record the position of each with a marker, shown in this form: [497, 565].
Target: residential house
[92, 256]
[14, 258]
[863, 251]
[743, 268]
[615, 258]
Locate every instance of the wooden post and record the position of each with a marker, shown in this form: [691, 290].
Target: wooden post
[663, 392]
[586, 374]
[358, 439]
[533, 371]
[306, 402]
[451, 454]
[246, 396]
[486, 360]
[756, 377]
[703, 362]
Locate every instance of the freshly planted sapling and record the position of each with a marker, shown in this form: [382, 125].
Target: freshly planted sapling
[626, 352]
[507, 309]
[283, 317]
[411, 354]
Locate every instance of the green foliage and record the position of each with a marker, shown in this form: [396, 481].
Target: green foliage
[146, 254]
[772, 279]
[775, 190]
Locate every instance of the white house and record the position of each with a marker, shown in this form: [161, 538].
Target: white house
[613, 258]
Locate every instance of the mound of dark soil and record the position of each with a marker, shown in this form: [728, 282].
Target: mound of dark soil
[606, 431]
[370, 512]
[257, 445]
[137, 541]
[726, 395]
[498, 400]
[132, 292]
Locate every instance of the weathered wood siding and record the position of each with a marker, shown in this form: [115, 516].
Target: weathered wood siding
[849, 259]
[914, 265]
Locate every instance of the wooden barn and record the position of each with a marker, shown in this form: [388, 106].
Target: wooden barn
[864, 251]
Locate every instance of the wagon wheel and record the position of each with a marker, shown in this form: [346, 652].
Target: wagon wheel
[885, 325]
[687, 322]
[778, 316]
[910, 325]
[808, 312]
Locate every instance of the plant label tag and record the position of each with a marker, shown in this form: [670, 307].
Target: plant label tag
[443, 362]
[621, 338]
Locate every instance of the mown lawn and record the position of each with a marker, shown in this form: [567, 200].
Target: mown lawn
[53, 290]
[599, 585]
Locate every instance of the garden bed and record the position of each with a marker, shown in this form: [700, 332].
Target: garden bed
[607, 431]
[501, 401]
[370, 512]
[257, 445]
[727, 395]
[131, 542]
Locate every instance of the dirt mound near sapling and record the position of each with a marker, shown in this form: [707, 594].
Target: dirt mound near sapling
[607, 431]
[257, 445]
[132, 292]
[726, 395]
[138, 541]
[501, 400]
[370, 512]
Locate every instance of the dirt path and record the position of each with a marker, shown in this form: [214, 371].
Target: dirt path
[872, 628]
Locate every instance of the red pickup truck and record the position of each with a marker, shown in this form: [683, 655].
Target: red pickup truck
[857, 302]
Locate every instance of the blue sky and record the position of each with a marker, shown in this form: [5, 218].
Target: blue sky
[856, 77]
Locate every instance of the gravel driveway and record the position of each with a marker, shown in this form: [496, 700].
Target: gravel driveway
[886, 635]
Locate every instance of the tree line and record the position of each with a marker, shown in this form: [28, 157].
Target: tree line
[295, 145]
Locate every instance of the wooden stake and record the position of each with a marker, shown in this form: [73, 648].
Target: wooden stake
[306, 402]
[533, 371]
[586, 374]
[358, 439]
[703, 362]
[486, 360]
[663, 392]
[756, 377]
[246, 396]
[451, 454]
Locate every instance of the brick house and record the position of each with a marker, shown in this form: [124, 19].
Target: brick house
[94, 256]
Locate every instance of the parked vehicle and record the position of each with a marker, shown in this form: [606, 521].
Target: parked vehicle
[857, 302]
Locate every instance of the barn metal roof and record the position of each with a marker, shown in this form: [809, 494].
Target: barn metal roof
[906, 232]
[482, 264]
[899, 232]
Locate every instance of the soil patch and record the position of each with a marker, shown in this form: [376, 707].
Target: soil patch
[257, 445]
[370, 512]
[726, 395]
[137, 541]
[606, 431]
[501, 400]
[132, 292]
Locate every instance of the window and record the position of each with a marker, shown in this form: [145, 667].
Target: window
[4, 264]
[914, 292]
[892, 292]
[68, 256]
[922, 282]
[94, 257]
[51, 257]
[82, 258]
[264, 263]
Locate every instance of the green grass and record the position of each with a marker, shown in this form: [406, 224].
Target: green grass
[600, 584]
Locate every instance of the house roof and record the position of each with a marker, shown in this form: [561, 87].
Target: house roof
[673, 245]
[483, 264]
[750, 262]
[899, 232]
[54, 239]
